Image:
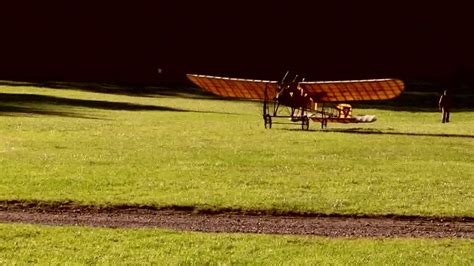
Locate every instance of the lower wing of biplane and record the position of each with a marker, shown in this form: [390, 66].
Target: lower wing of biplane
[322, 101]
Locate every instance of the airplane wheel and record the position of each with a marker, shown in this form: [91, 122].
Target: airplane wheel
[324, 123]
[305, 123]
[268, 121]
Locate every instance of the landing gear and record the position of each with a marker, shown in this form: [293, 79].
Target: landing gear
[324, 123]
[305, 123]
[267, 119]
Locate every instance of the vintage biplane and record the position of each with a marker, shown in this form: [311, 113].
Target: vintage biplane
[301, 101]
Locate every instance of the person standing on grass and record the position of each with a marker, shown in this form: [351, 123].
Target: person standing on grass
[444, 106]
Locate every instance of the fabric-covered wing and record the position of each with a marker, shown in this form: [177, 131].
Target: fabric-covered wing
[353, 90]
[232, 87]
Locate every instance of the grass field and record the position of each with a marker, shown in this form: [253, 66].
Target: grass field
[25, 244]
[185, 149]
[172, 150]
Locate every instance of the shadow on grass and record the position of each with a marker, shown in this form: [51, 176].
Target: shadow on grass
[419, 102]
[6, 110]
[21, 104]
[368, 131]
[381, 132]
[127, 90]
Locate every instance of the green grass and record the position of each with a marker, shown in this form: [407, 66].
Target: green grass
[27, 244]
[183, 149]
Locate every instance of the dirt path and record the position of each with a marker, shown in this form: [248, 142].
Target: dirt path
[232, 221]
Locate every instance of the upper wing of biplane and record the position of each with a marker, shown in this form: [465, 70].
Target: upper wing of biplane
[232, 87]
[353, 90]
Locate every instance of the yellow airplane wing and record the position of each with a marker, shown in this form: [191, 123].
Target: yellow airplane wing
[233, 87]
[353, 90]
